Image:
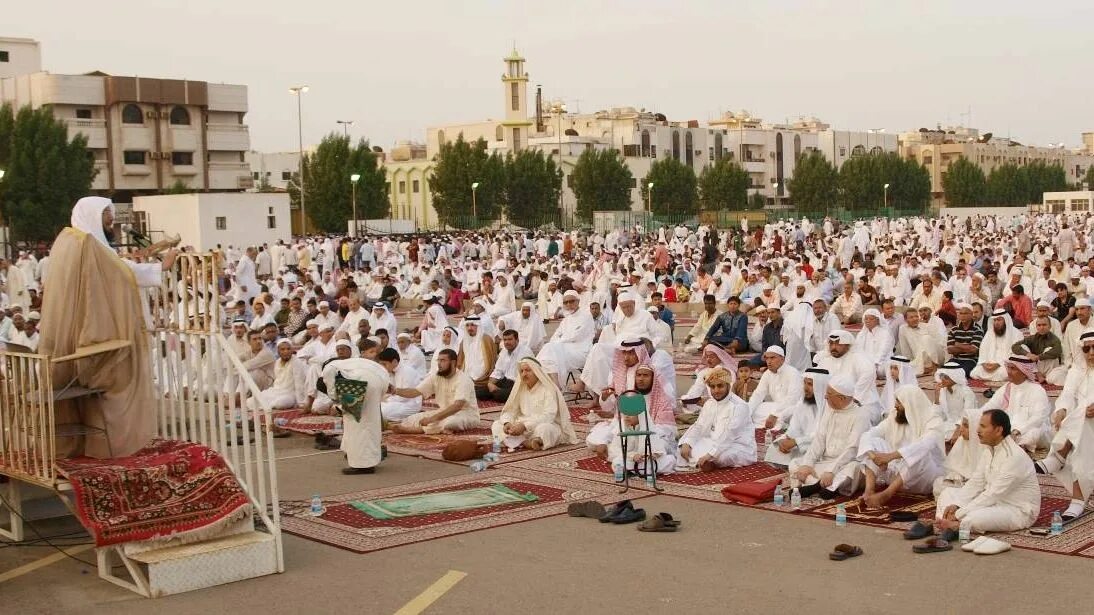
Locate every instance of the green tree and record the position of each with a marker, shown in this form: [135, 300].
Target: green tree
[964, 184]
[1088, 179]
[909, 183]
[862, 183]
[179, 187]
[757, 201]
[1008, 185]
[264, 184]
[460, 164]
[723, 185]
[45, 172]
[328, 190]
[815, 185]
[674, 188]
[533, 185]
[601, 182]
[1042, 177]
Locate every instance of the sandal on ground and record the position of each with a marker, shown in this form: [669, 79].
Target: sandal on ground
[612, 512]
[934, 545]
[919, 530]
[591, 509]
[667, 519]
[903, 516]
[657, 523]
[844, 551]
[630, 515]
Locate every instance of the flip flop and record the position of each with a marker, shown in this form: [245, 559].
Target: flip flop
[919, 530]
[631, 515]
[934, 545]
[615, 510]
[844, 551]
[903, 516]
[591, 509]
[658, 524]
[667, 519]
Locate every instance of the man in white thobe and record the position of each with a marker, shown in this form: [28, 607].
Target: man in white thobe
[402, 375]
[829, 467]
[289, 387]
[245, 279]
[779, 389]
[875, 340]
[410, 353]
[535, 415]
[1026, 403]
[905, 451]
[722, 436]
[921, 343]
[570, 344]
[527, 323]
[1071, 457]
[996, 347]
[361, 438]
[842, 359]
[801, 420]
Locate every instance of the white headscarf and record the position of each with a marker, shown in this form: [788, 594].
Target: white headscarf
[562, 413]
[87, 216]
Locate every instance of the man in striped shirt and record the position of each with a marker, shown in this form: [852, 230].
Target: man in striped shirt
[963, 343]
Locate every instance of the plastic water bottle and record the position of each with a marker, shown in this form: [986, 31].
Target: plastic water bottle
[1057, 524]
[964, 532]
[780, 500]
[496, 447]
[769, 437]
[650, 478]
[338, 425]
[478, 465]
[796, 499]
[281, 421]
[491, 457]
[841, 515]
[316, 505]
[617, 469]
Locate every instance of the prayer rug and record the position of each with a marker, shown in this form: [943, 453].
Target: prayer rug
[442, 502]
[167, 490]
[343, 526]
[484, 404]
[306, 423]
[431, 446]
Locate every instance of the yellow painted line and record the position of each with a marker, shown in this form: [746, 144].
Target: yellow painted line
[422, 601]
[45, 561]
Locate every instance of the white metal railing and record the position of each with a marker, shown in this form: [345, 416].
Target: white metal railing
[204, 393]
[27, 422]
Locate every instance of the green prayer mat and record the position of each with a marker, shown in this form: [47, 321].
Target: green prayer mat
[444, 501]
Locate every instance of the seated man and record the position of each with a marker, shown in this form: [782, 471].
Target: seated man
[705, 321]
[1071, 458]
[829, 466]
[921, 343]
[848, 306]
[504, 376]
[535, 415]
[722, 436]
[1026, 403]
[730, 329]
[393, 407]
[1002, 495]
[455, 395]
[905, 451]
[954, 395]
[661, 333]
[627, 356]
[289, 386]
[1046, 349]
[780, 389]
[801, 420]
[477, 354]
[995, 347]
[410, 353]
[713, 357]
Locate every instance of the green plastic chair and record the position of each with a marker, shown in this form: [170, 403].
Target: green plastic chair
[633, 403]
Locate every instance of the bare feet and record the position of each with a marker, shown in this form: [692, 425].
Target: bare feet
[533, 444]
[601, 450]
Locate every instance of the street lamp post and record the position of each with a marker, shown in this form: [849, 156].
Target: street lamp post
[474, 202]
[885, 202]
[298, 91]
[353, 178]
[649, 202]
[4, 250]
[345, 127]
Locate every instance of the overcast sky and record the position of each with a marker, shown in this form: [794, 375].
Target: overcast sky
[396, 67]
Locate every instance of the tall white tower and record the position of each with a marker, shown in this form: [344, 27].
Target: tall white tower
[515, 85]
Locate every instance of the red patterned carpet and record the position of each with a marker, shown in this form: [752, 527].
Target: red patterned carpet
[431, 446]
[346, 527]
[167, 489]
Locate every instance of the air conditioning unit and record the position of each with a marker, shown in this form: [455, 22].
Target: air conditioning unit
[151, 115]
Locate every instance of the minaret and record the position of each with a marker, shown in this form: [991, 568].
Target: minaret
[515, 86]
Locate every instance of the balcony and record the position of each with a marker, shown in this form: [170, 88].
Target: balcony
[94, 130]
[229, 137]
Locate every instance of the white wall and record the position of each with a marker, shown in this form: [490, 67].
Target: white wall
[194, 217]
[24, 57]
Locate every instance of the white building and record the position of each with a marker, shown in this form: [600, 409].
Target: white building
[274, 169]
[145, 134]
[768, 152]
[206, 220]
[1071, 202]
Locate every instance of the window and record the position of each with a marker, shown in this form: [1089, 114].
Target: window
[133, 156]
[269, 210]
[717, 150]
[132, 114]
[182, 158]
[222, 223]
[286, 175]
[516, 139]
[676, 145]
[499, 133]
[858, 150]
[514, 93]
[402, 187]
[83, 114]
[689, 153]
[440, 138]
[927, 160]
[842, 151]
[3, 56]
[180, 116]
[1080, 204]
[646, 143]
[415, 186]
[271, 221]
[570, 181]
[254, 175]
[630, 150]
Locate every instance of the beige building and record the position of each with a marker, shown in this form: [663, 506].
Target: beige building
[937, 149]
[146, 134]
